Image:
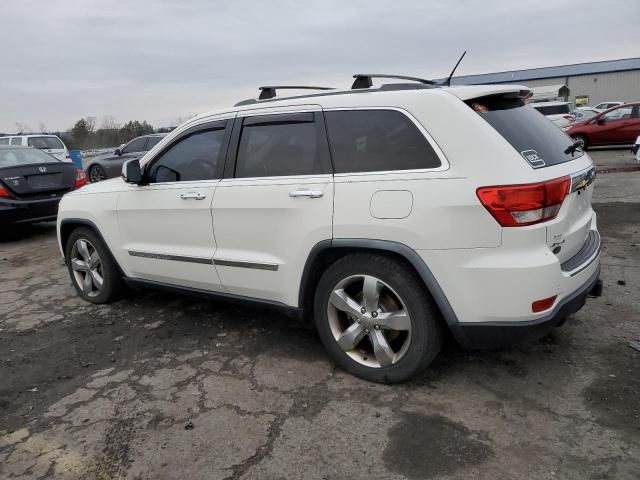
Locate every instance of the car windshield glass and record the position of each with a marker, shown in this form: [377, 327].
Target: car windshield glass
[47, 143]
[12, 157]
[553, 109]
[538, 140]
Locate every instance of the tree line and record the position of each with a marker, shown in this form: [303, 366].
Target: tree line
[87, 134]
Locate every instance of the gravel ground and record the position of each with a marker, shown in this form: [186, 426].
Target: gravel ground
[162, 387]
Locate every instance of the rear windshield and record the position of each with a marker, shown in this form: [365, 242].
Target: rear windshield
[540, 142]
[13, 157]
[553, 109]
[47, 143]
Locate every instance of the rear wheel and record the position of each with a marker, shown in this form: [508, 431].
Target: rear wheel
[97, 174]
[92, 270]
[376, 318]
[583, 139]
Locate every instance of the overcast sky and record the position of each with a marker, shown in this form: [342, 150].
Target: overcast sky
[159, 60]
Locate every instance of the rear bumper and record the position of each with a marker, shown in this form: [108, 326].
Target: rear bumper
[488, 335]
[17, 211]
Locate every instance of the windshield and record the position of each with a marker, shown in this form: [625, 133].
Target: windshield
[538, 140]
[13, 157]
[47, 143]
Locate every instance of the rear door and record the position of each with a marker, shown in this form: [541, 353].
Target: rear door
[541, 145]
[275, 202]
[166, 234]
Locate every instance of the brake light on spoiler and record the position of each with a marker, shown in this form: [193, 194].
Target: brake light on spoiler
[528, 204]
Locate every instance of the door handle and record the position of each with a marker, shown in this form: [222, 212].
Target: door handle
[193, 195]
[306, 193]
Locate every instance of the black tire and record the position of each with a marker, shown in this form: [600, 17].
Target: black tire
[583, 139]
[112, 283]
[97, 174]
[426, 322]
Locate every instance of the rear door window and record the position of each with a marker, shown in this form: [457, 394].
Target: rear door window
[45, 143]
[4, 141]
[281, 145]
[539, 141]
[377, 140]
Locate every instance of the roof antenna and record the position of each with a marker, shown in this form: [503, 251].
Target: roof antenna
[447, 82]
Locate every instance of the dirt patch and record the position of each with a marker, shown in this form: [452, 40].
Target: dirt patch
[614, 397]
[445, 446]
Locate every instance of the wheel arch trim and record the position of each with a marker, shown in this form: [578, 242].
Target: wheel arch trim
[83, 222]
[405, 252]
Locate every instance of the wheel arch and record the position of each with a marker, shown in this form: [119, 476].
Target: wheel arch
[68, 225]
[327, 252]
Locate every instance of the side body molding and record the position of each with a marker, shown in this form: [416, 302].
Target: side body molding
[387, 246]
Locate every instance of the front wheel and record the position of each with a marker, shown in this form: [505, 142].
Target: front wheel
[376, 318]
[92, 270]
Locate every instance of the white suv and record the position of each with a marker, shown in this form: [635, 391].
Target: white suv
[50, 144]
[388, 215]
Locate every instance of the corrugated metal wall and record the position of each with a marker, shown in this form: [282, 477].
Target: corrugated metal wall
[623, 86]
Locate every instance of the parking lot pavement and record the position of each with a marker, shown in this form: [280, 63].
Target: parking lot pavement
[159, 386]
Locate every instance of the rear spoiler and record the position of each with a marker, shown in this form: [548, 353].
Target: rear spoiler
[469, 92]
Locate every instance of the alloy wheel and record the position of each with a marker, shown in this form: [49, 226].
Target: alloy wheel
[369, 321]
[96, 174]
[87, 267]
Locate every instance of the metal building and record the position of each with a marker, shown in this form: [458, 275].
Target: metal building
[587, 83]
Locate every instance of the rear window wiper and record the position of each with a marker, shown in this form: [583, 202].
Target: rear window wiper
[573, 147]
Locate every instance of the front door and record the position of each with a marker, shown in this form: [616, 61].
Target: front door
[275, 202]
[617, 126]
[165, 225]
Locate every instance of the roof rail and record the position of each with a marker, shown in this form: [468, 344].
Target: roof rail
[270, 91]
[363, 80]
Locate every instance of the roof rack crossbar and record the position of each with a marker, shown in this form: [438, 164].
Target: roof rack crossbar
[363, 80]
[267, 92]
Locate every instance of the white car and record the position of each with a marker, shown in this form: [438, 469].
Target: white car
[50, 144]
[360, 209]
[560, 113]
[602, 106]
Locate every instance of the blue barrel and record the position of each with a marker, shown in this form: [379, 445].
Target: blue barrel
[76, 158]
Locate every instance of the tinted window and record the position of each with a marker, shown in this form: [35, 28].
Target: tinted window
[23, 156]
[194, 157]
[136, 145]
[153, 141]
[16, 141]
[47, 143]
[377, 140]
[537, 139]
[269, 149]
[4, 141]
[553, 109]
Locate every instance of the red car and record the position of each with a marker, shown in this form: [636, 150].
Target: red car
[617, 126]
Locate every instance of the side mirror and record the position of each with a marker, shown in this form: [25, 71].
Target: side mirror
[117, 151]
[601, 121]
[131, 171]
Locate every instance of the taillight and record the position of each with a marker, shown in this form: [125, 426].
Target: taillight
[81, 179]
[520, 205]
[3, 193]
